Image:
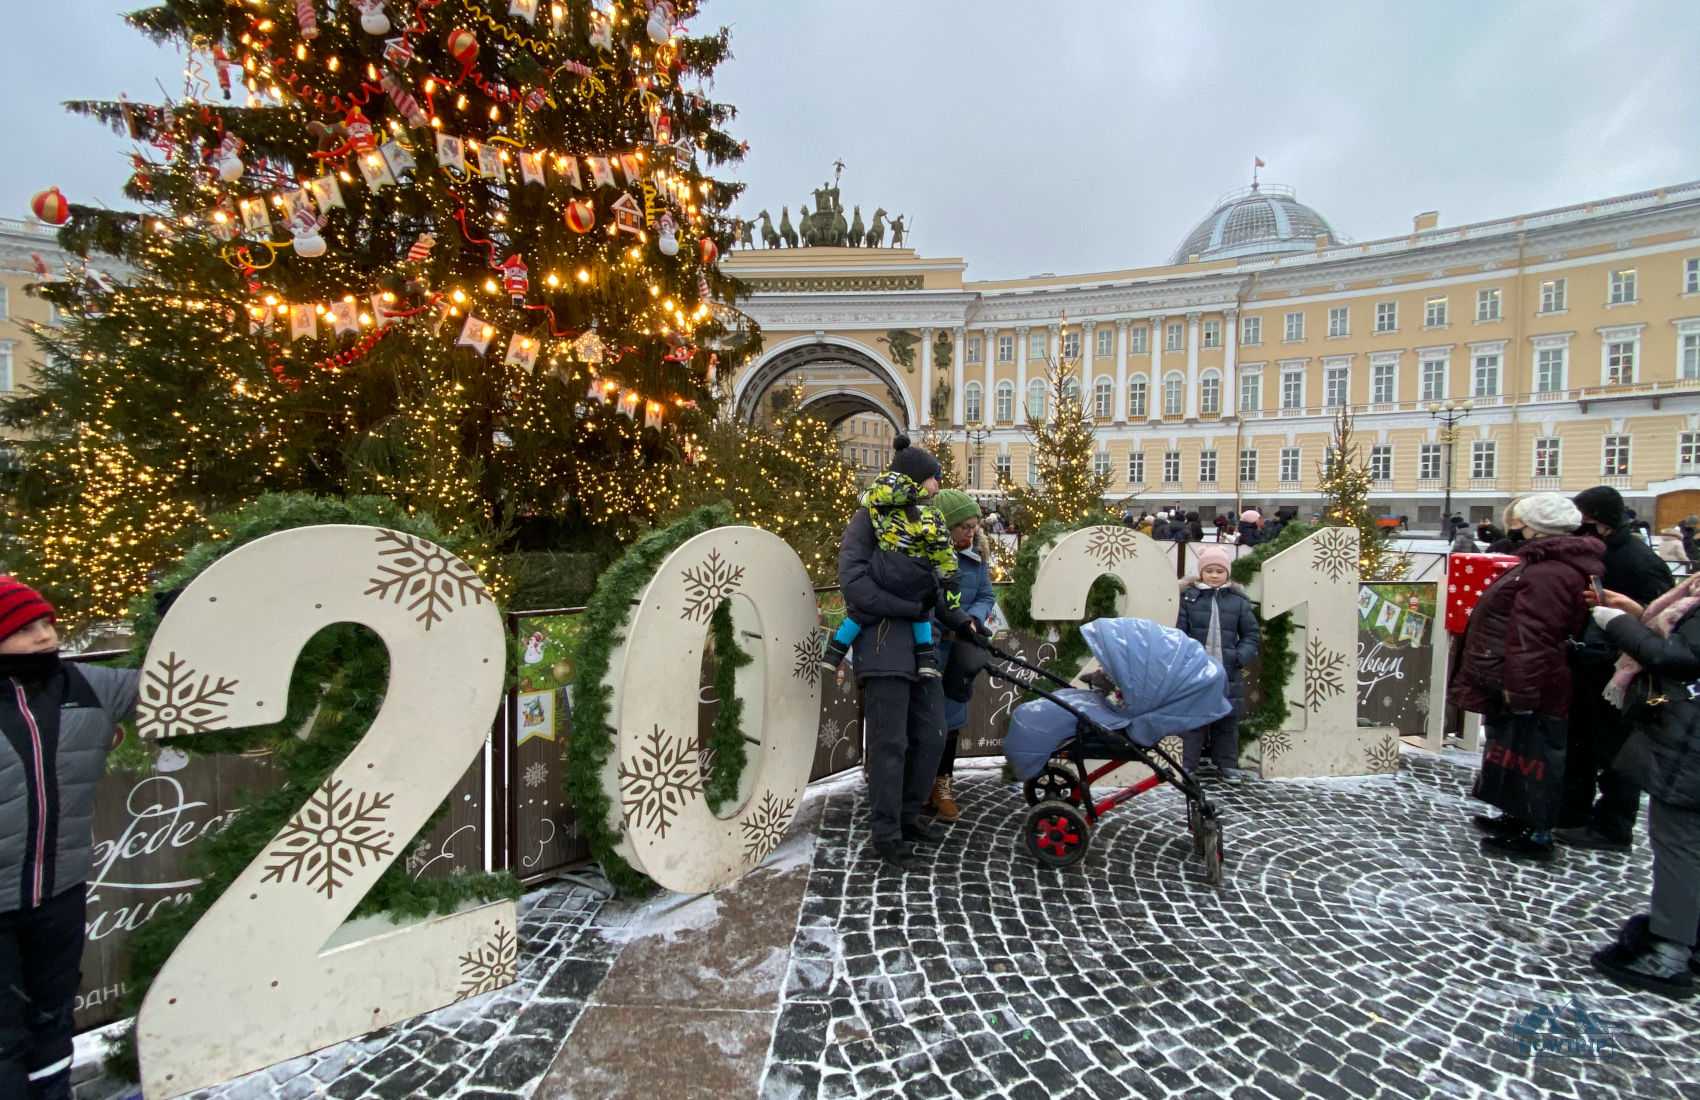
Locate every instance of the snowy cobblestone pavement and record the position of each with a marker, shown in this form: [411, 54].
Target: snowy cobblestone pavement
[498, 1044]
[1361, 946]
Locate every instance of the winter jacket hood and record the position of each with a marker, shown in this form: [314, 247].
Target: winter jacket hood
[1633, 568]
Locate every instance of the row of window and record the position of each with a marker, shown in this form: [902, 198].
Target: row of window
[1619, 356]
[1622, 289]
[1483, 462]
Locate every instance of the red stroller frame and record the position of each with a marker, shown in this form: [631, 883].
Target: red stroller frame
[1058, 829]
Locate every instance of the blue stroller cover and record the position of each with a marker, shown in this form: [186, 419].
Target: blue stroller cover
[1169, 684]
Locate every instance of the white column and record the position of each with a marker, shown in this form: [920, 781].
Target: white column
[1230, 385]
[1192, 366]
[1120, 416]
[926, 376]
[988, 348]
[1021, 374]
[1154, 391]
[958, 375]
[1088, 363]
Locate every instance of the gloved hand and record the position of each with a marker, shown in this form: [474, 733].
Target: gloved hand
[1604, 615]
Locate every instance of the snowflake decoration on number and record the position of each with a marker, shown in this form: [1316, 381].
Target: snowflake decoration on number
[337, 831]
[536, 774]
[1324, 674]
[1335, 552]
[707, 584]
[1383, 756]
[1276, 743]
[806, 656]
[173, 700]
[765, 828]
[434, 581]
[491, 965]
[1110, 546]
[656, 783]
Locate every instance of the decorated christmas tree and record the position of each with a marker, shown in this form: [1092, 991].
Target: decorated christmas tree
[1069, 487]
[457, 254]
[938, 444]
[1345, 483]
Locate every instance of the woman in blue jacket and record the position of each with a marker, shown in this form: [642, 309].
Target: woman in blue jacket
[973, 555]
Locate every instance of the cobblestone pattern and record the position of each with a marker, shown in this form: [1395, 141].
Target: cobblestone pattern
[494, 1045]
[1361, 946]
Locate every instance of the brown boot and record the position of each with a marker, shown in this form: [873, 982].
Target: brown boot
[944, 803]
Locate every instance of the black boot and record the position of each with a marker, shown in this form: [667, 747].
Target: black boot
[923, 833]
[927, 661]
[1642, 960]
[1519, 845]
[833, 655]
[1586, 836]
[1496, 824]
[897, 854]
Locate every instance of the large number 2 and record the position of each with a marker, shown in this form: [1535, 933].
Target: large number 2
[271, 971]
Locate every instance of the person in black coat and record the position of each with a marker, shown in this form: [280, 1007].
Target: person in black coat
[1219, 616]
[1597, 730]
[1194, 527]
[1657, 681]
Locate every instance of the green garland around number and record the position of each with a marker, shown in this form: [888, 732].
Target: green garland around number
[1277, 647]
[726, 738]
[1017, 599]
[338, 684]
[592, 742]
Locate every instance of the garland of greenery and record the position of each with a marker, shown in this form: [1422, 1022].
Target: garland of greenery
[343, 673]
[1276, 651]
[592, 741]
[1017, 599]
[726, 737]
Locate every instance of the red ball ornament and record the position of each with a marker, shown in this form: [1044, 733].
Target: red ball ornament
[710, 251]
[581, 215]
[50, 206]
[463, 45]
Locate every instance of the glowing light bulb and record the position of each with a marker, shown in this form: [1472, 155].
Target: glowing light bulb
[583, 276]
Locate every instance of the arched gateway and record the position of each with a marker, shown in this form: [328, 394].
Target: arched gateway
[833, 377]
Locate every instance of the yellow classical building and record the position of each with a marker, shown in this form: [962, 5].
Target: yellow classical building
[1567, 343]
[25, 247]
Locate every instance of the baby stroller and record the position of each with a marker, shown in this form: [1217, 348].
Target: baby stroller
[1167, 683]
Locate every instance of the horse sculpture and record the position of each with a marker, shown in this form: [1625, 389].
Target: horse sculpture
[810, 236]
[857, 230]
[876, 234]
[769, 238]
[786, 232]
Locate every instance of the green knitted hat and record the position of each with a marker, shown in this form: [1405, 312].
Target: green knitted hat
[956, 506]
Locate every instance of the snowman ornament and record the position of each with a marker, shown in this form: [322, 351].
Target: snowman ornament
[305, 226]
[667, 235]
[225, 159]
[660, 24]
[373, 19]
[534, 648]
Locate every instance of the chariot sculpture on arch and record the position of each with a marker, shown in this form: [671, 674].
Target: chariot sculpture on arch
[824, 224]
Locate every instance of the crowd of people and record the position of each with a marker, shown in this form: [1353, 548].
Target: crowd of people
[1175, 524]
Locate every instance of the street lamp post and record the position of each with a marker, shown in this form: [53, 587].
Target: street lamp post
[1450, 414]
[977, 440]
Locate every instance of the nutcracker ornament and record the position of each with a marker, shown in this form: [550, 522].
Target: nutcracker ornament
[359, 131]
[225, 159]
[516, 280]
[304, 225]
[667, 235]
[373, 19]
[50, 206]
[662, 128]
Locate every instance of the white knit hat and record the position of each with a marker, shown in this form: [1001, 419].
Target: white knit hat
[1549, 514]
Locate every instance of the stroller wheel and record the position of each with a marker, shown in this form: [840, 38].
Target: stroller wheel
[1057, 833]
[1210, 844]
[1054, 784]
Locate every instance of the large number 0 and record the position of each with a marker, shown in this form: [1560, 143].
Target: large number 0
[272, 971]
[670, 833]
[1317, 580]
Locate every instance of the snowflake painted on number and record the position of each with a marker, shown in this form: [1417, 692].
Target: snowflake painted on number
[1276, 743]
[765, 828]
[1112, 545]
[707, 584]
[174, 701]
[1335, 552]
[655, 784]
[536, 774]
[491, 965]
[434, 581]
[337, 831]
[1383, 756]
[806, 655]
[1324, 674]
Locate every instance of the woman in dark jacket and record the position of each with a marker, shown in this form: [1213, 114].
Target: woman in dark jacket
[1658, 682]
[1513, 667]
[1219, 616]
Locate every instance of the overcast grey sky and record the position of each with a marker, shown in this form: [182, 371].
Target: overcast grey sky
[1093, 134]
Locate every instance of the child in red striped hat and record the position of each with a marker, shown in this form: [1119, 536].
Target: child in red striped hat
[58, 721]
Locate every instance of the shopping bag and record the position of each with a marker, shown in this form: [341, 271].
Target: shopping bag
[1522, 769]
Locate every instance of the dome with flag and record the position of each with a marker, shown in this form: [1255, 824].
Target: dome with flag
[1253, 221]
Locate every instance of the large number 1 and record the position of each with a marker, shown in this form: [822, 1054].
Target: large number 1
[272, 971]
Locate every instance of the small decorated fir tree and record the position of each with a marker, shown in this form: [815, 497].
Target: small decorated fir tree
[1345, 483]
[1064, 442]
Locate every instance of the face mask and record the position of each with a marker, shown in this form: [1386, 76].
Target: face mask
[29, 666]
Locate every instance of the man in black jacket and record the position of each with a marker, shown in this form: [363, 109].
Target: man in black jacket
[1598, 729]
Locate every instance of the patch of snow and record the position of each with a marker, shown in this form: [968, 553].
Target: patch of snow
[671, 915]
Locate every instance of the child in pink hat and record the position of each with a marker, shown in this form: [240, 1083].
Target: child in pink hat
[1219, 615]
